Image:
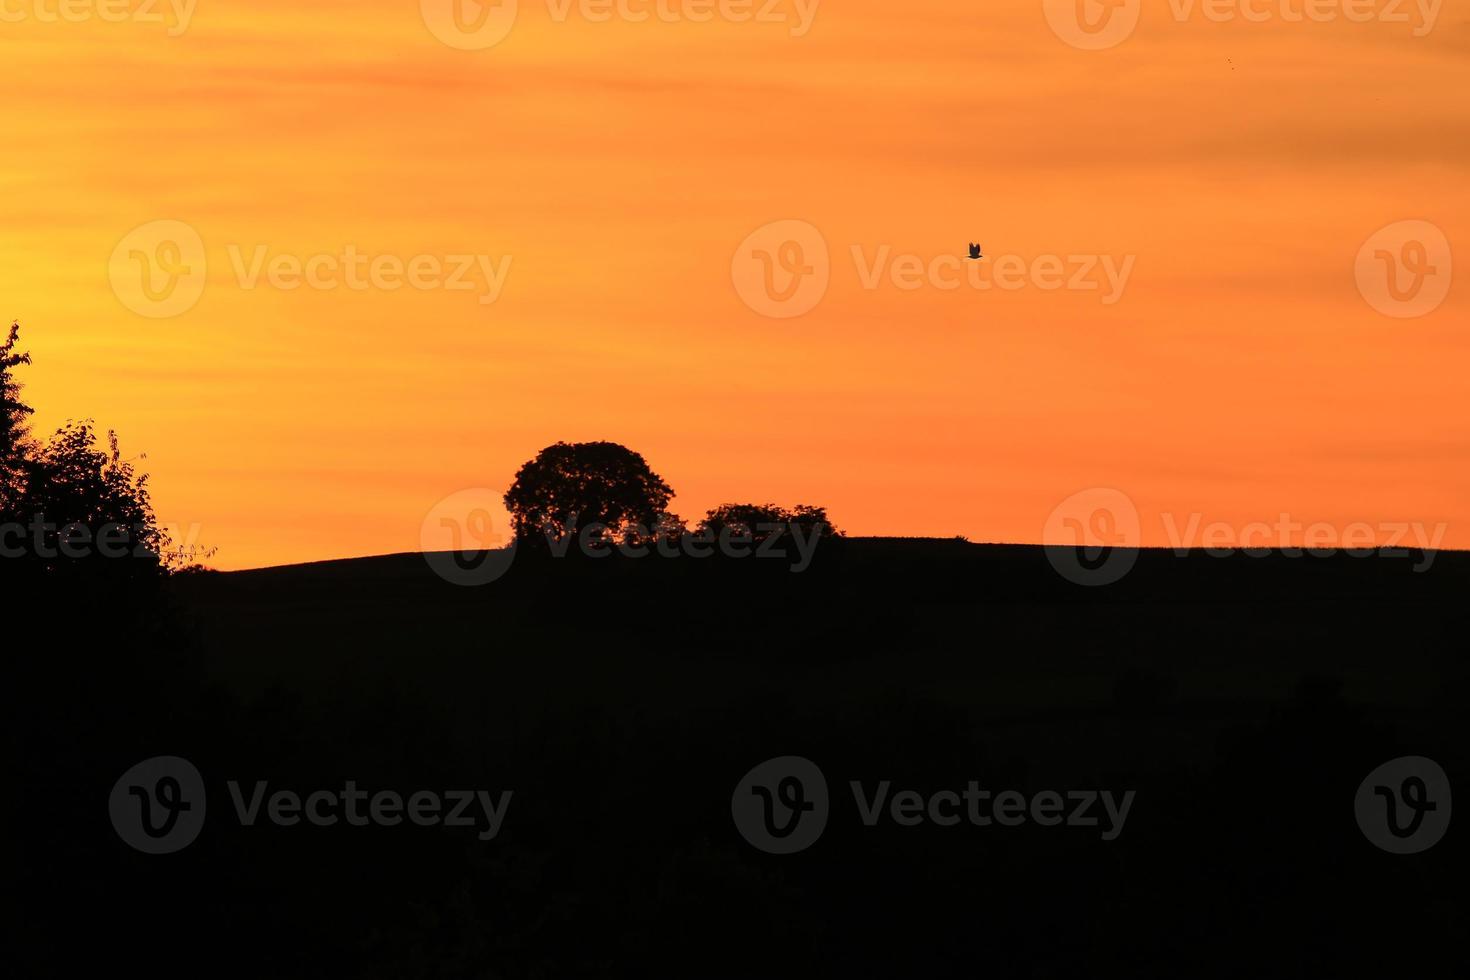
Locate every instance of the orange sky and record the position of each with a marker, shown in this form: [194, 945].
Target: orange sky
[1237, 168]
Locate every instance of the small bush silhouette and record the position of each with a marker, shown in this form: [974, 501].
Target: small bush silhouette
[757, 522]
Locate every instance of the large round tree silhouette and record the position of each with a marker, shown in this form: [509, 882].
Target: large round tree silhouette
[574, 486]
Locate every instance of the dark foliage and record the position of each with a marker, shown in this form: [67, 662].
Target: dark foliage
[14, 432]
[570, 486]
[759, 521]
[69, 505]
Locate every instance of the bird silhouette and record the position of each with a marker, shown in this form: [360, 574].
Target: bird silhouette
[975, 251]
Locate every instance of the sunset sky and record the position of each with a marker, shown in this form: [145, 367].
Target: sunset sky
[1235, 170]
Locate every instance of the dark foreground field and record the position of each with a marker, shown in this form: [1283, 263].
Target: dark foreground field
[1242, 701]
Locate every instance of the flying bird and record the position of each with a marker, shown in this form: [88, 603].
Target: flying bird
[975, 251]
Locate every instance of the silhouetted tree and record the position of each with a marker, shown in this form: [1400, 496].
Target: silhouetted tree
[670, 527]
[570, 486]
[69, 498]
[741, 519]
[759, 521]
[14, 432]
[808, 516]
[85, 501]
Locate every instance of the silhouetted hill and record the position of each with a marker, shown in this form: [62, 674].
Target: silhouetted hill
[1242, 700]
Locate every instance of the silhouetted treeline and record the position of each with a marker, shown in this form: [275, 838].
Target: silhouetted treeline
[576, 498]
